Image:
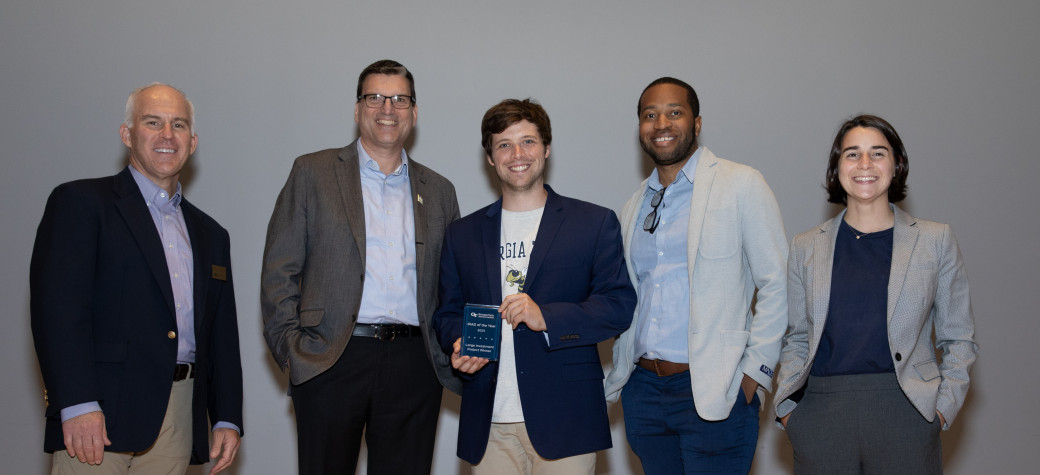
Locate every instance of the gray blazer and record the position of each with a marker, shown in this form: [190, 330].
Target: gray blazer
[735, 244]
[927, 289]
[314, 261]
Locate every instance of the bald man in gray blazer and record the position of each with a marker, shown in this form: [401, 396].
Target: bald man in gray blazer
[349, 287]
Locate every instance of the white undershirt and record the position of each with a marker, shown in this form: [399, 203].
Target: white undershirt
[517, 241]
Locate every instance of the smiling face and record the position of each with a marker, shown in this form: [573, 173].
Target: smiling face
[518, 155]
[866, 166]
[668, 128]
[385, 129]
[159, 135]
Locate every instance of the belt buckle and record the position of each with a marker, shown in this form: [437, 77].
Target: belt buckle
[657, 368]
[188, 370]
[386, 333]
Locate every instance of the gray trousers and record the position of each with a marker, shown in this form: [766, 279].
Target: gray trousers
[861, 424]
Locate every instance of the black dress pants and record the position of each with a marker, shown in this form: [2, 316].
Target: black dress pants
[384, 390]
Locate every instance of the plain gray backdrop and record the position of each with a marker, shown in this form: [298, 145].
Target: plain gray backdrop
[274, 80]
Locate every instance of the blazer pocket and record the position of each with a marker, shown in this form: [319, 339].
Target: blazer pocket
[928, 370]
[311, 317]
[435, 224]
[582, 371]
[720, 233]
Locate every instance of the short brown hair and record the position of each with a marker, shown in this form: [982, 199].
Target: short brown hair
[390, 68]
[503, 115]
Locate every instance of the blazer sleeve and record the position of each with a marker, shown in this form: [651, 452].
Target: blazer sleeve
[795, 349]
[285, 255]
[954, 328]
[61, 286]
[765, 248]
[225, 395]
[608, 309]
[447, 320]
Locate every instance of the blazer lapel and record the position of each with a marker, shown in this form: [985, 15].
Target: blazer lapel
[823, 266]
[202, 269]
[417, 179]
[904, 237]
[131, 206]
[552, 218]
[629, 219]
[703, 178]
[348, 176]
[491, 229]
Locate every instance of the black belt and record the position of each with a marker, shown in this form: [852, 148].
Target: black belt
[385, 332]
[183, 371]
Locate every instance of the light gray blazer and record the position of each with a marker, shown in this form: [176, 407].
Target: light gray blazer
[314, 261]
[927, 289]
[735, 243]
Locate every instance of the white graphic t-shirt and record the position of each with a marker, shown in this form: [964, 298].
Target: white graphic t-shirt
[517, 241]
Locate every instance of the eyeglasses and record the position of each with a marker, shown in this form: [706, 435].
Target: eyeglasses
[377, 100]
[653, 219]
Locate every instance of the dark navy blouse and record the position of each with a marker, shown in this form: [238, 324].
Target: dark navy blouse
[855, 337]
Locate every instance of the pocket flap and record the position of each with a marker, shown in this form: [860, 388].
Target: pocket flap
[928, 370]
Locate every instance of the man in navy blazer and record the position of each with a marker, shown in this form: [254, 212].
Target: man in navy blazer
[133, 310]
[541, 406]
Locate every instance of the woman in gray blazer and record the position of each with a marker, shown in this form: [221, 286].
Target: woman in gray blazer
[859, 387]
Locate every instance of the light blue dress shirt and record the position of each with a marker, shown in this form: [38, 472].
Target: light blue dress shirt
[388, 294]
[169, 222]
[660, 264]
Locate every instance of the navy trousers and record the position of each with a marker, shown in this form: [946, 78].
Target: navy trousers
[664, 430]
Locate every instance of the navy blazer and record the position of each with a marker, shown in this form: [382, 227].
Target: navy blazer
[578, 278]
[103, 317]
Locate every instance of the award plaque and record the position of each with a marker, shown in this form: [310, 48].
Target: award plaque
[481, 331]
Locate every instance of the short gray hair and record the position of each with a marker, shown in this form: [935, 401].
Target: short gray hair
[128, 119]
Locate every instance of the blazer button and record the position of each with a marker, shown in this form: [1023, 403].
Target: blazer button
[171, 334]
[899, 357]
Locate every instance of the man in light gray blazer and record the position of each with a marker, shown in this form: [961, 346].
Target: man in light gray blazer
[349, 287]
[700, 235]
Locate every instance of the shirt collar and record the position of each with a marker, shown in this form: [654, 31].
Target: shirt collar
[686, 173]
[154, 193]
[366, 161]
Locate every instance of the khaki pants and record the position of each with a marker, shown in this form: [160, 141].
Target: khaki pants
[509, 450]
[168, 455]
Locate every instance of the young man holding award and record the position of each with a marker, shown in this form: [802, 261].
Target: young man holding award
[540, 407]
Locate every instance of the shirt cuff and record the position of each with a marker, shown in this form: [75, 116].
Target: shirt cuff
[79, 410]
[227, 425]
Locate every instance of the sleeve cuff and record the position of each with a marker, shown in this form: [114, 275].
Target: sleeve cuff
[79, 410]
[227, 425]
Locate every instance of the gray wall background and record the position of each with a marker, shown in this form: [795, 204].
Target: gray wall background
[273, 80]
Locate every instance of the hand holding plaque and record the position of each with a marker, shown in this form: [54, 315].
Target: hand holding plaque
[481, 331]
